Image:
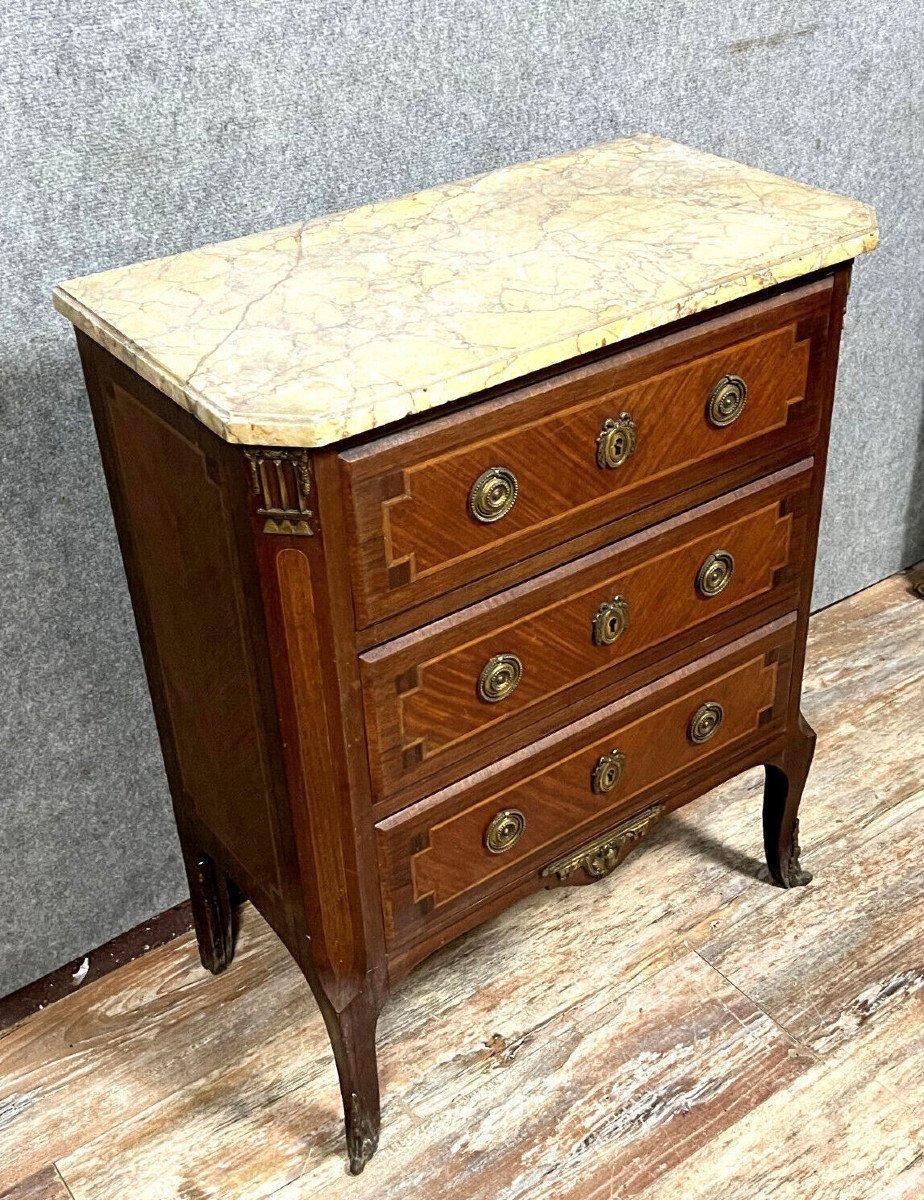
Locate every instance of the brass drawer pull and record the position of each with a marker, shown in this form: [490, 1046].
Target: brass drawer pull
[705, 722]
[609, 770]
[715, 574]
[493, 494]
[500, 676]
[727, 400]
[611, 621]
[505, 831]
[616, 441]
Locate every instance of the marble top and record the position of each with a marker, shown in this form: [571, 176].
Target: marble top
[317, 331]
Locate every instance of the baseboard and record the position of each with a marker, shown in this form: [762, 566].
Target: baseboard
[122, 949]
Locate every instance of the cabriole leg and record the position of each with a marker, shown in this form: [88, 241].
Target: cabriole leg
[785, 782]
[352, 1036]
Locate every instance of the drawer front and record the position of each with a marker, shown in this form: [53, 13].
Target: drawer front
[460, 846]
[435, 507]
[500, 673]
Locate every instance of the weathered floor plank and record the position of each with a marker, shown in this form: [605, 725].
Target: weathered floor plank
[616, 1072]
[661, 1030]
[113, 1048]
[848, 947]
[45, 1184]
[851, 1128]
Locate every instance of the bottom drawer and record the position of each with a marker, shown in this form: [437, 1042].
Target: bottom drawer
[447, 854]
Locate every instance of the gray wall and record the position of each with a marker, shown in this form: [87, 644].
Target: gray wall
[139, 129]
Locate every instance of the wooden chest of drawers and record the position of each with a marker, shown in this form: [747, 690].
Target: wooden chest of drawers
[403, 676]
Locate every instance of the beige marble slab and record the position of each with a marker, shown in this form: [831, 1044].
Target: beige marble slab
[321, 330]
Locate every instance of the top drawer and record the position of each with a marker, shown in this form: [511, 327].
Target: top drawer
[464, 495]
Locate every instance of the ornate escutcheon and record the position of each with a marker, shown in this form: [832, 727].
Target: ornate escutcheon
[727, 400]
[607, 773]
[705, 722]
[616, 441]
[493, 495]
[499, 677]
[604, 854]
[505, 831]
[715, 574]
[611, 621]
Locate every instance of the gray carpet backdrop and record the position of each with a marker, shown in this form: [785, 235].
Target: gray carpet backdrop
[133, 130]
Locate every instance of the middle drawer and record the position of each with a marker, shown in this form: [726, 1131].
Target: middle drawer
[483, 682]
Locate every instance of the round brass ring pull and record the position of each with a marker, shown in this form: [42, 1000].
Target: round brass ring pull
[505, 831]
[727, 400]
[500, 676]
[493, 494]
[715, 574]
[609, 770]
[616, 441]
[611, 621]
[705, 722]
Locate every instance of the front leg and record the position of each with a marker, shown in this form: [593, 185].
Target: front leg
[785, 782]
[352, 1036]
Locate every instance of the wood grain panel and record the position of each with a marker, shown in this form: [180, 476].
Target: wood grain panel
[433, 854]
[180, 529]
[338, 940]
[414, 534]
[560, 799]
[554, 459]
[329, 803]
[423, 710]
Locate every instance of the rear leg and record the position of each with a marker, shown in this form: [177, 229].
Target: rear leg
[785, 783]
[211, 909]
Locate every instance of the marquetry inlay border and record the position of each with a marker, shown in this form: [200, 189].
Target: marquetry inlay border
[432, 884]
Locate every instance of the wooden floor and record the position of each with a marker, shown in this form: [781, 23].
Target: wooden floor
[680, 1030]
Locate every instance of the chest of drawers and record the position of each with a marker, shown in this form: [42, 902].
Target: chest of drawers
[468, 535]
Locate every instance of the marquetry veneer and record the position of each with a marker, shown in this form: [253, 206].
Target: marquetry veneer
[422, 713]
[434, 860]
[404, 493]
[404, 676]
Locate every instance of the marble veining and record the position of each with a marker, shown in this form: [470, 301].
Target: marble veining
[308, 334]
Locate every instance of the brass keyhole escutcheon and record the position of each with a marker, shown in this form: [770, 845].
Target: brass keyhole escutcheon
[500, 676]
[705, 722]
[715, 574]
[616, 441]
[505, 831]
[608, 772]
[727, 400]
[611, 621]
[493, 494]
